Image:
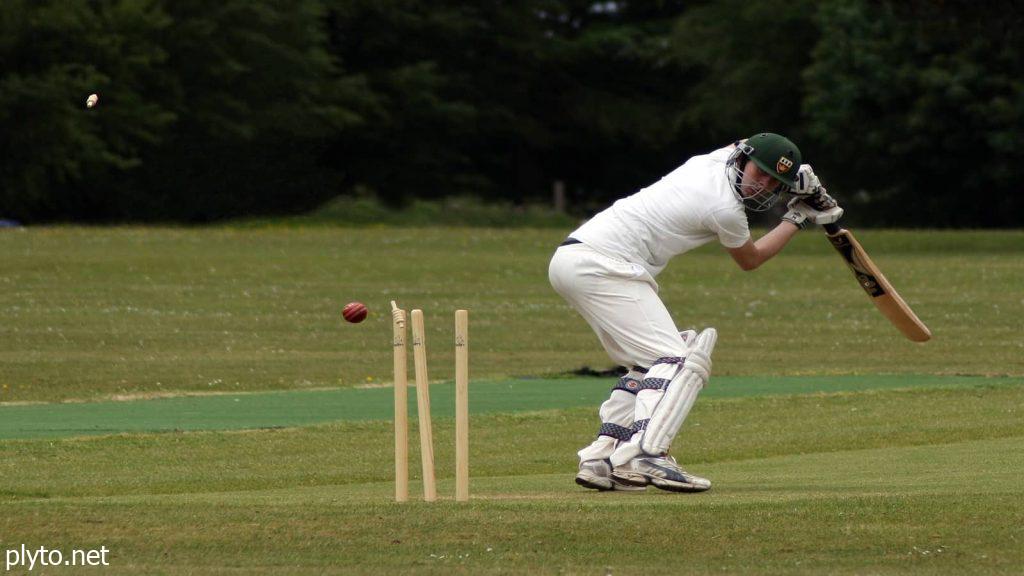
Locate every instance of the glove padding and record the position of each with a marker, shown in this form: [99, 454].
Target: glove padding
[807, 181]
[818, 208]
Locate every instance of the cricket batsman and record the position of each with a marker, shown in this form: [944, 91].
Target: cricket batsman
[606, 271]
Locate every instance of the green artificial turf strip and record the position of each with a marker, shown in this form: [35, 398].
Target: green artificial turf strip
[299, 408]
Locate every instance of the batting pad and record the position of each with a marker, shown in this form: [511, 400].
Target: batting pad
[680, 395]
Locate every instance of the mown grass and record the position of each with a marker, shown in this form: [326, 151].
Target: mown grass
[920, 481]
[91, 313]
[923, 480]
[541, 442]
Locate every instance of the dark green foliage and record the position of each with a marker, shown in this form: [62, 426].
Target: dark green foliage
[206, 109]
[55, 53]
[264, 107]
[922, 105]
[749, 56]
[256, 99]
[500, 99]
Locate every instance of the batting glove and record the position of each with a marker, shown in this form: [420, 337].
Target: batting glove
[807, 181]
[822, 202]
[818, 208]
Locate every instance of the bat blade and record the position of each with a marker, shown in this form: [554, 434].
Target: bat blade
[871, 279]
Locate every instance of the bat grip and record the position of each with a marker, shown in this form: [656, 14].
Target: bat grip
[832, 229]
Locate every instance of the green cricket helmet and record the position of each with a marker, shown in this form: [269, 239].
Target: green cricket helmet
[773, 154]
[776, 155]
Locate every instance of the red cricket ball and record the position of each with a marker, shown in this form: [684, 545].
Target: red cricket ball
[354, 312]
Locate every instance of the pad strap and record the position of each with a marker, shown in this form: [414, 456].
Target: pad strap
[631, 385]
[661, 383]
[654, 383]
[623, 433]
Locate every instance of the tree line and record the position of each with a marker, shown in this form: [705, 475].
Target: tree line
[912, 111]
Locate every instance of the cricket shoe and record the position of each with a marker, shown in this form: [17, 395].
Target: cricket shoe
[661, 472]
[597, 475]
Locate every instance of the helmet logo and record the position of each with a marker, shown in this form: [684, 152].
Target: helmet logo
[783, 165]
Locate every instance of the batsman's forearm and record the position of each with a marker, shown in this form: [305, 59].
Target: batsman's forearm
[775, 240]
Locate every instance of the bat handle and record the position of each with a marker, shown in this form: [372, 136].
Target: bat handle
[832, 229]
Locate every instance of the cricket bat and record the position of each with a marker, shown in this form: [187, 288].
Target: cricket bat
[871, 279]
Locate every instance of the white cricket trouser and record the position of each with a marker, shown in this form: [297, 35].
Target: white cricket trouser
[620, 301]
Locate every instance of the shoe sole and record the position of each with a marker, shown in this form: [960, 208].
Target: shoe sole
[595, 482]
[634, 479]
[670, 486]
[600, 484]
[620, 487]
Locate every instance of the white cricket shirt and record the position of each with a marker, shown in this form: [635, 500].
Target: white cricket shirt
[691, 206]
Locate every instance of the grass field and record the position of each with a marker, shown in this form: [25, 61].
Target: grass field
[91, 314]
[835, 446]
